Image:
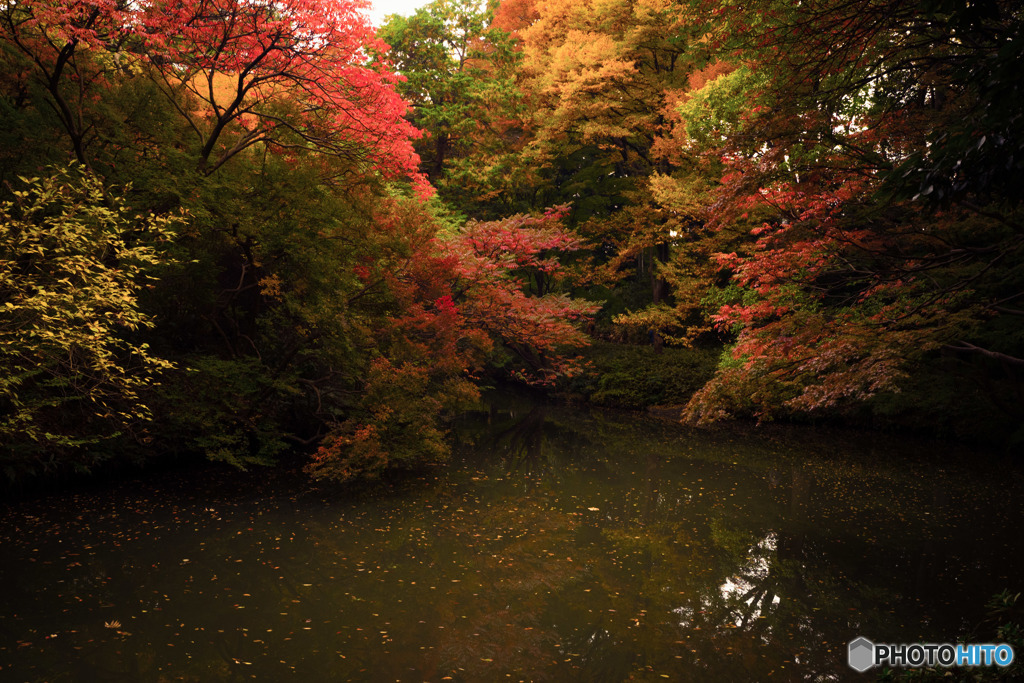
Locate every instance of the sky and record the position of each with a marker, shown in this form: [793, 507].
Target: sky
[382, 8]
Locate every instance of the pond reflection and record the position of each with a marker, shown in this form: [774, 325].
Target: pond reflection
[560, 544]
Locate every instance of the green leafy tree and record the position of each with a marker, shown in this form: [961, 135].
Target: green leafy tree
[461, 82]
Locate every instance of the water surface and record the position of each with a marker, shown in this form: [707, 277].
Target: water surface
[560, 544]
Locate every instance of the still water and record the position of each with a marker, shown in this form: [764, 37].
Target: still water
[560, 544]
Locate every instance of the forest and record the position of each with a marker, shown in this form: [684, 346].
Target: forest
[239, 230]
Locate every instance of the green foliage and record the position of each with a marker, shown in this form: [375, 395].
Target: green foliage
[625, 376]
[716, 111]
[457, 77]
[238, 420]
[73, 259]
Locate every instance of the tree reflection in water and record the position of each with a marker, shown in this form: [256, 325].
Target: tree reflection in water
[560, 545]
[721, 556]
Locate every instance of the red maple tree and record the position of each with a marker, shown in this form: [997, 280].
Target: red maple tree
[294, 75]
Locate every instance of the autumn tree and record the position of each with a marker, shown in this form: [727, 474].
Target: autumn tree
[411, 353]
[883, 242]
[278, 136]
[453, 302]
[606, 80]
[65, 54]
[294, 75]
[603, 73]
[508, 283]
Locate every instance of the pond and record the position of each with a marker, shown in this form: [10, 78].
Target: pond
[560, 544]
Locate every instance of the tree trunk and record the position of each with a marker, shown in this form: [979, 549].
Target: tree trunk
[659, 290]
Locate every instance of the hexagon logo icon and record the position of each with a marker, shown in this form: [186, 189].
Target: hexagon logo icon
[861, 654]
